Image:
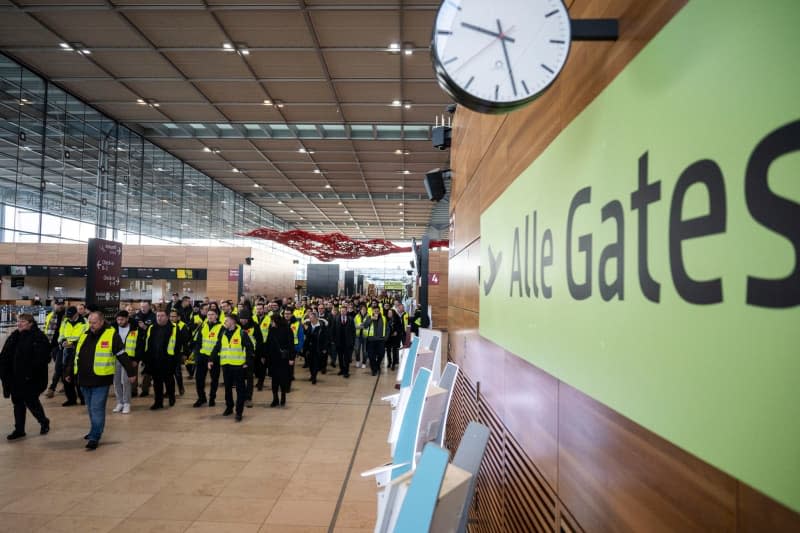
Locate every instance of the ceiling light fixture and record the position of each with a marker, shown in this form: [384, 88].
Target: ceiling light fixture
[301, 150]
[279, 103]
[327, 185]
[256, 185]
[235, 170]
[317, 171]
[396, 103]
[408, 49]
[399, 187]
[400, 204]
[227, 47]
[207, 149]
[406, 172]
[65, 47]
[407, 105]
[267, 102]
[393, 48]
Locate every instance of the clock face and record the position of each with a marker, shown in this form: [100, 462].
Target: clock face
[494, 56]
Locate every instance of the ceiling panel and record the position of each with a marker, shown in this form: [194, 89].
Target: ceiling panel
[356, 28]
[306, 91]
[92, 28]
[166, 91]
[366, 92]
[318, 113]
[191, 112]
[286, 64]
[244, 91]
[111, 90]
[363, 64]
[19, 29]
[209, 64]
[167, 28]
[59, 64]
[135, 63]
[260, 113]
[266, 28]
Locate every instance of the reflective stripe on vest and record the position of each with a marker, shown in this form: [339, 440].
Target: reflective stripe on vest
[359, 319]
[170, 343]
[232, 350]
[210, 337]
[104, 360]
[130, 342]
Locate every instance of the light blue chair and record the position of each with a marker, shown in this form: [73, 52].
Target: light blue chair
[418, 506]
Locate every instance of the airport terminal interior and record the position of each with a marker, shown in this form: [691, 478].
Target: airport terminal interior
[399, 266]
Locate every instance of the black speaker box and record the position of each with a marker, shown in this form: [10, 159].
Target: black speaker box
[434, 185]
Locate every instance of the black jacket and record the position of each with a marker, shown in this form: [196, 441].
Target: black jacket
[279, 347]
[154, 349]
[396, 331]
[24, 360]
[344, 335]
[380, 330]
[316, 340]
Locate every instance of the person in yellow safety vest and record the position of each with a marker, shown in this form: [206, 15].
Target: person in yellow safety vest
[122, 386]
[205, 340]
[200, 317]
[71, 330]
[361, 340]
[92, 367]
[234, 353]
[255, 370]
[226, 310]
[401, 312]
[52, 326]
[160, 353]
[376, 330]
[185, 338]
[300, 312]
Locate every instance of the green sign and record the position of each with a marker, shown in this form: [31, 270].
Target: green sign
[649, 257]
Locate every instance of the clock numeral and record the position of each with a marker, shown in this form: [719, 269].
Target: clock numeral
[443, 32]
[548, 69]
[449, 60]
[553, 12]
[453, 4]
[496, 92]
[556, 41]
[525, 86]
[469, 82]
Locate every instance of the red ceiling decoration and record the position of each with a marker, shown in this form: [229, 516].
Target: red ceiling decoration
[332, 245]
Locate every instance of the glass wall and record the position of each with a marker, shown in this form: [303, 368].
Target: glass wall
[69, 173]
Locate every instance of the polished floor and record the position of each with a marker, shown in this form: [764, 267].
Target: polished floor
[288, 470]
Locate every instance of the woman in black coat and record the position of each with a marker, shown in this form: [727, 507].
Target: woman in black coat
[395, 336]
[23, 370]
[280, 357]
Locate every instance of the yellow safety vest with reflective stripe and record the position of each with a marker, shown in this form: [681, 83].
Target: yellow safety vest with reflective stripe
[198, 319]
[359, 319]
[170, 343]
[72, 331]
[47, 320]
[405, 320]
[209, 336]
[300, 312]
[104, 359]
[295, 329]
[130, 342]
[232, 350]
[264, 326]
[371, 331]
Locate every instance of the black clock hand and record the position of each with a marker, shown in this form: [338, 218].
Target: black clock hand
[508, 62]
[501, 35]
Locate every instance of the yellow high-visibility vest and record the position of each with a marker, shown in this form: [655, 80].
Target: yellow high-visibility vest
[130, 342]
[264, 326]
[359, 319]
[170, 344]
[72, 331]
[232, 350]
[104, 360]
[209, 336]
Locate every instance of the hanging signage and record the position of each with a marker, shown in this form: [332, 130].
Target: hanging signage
[649, 256]
[233, 274]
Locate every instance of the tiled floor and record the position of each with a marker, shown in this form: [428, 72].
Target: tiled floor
[191, 470]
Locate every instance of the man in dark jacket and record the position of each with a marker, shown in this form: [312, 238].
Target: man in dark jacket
[161, 350]
[143, 319]
[23, 369]
[344, 337]
[315, 344]
[93, 367]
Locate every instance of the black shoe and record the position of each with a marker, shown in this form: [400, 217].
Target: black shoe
[69, 403]
[374, 373]
[83, 402]
[156, 406]
[181, 391]
[333, 365]
[324, 370]
[172, 402]
[144, 394]
[16, 435]
[228, 411]
[86, 437]
[340, 373]
[212, 403]
[134, 394]
[199, 403]
[283, 400]
[238, 417]
[45, 428]
[313, 381]
[345, 375]
[274, 403]
[92, 445]
[305, 366]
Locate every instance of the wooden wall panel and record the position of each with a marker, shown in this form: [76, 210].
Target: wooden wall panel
[467, 217]
[614, 475]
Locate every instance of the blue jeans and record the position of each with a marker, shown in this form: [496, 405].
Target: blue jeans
[96, 398]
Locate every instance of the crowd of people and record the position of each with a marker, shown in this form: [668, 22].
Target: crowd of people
[149, 348]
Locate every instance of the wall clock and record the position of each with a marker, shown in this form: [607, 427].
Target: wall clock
[497, 56]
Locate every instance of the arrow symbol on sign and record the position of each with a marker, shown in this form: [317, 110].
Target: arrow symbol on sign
[494, 268]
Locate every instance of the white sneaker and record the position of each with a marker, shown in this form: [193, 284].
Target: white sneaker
[117, 409]
[126, 409]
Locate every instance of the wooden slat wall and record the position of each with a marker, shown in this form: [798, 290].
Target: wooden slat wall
[559, 460]
[437, 294]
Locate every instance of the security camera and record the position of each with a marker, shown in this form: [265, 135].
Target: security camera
[451, 108]
[248, 260]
